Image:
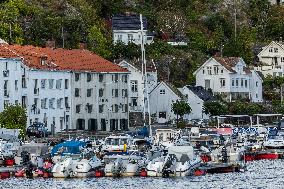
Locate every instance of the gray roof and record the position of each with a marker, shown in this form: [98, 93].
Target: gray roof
[128, 22]
[201, 93]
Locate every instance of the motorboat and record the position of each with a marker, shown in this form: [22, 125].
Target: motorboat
[116, 143]
[64, 168]
[86, 167]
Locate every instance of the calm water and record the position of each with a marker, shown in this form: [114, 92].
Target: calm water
[260, 174]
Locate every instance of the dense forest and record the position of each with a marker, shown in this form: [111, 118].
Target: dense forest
[233, 28]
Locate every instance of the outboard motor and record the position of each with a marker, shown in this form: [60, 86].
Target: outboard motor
[25, 157]
[167, 166]
[224, 155]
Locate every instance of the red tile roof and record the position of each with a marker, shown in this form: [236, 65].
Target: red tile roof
[230, 62]
[59, 59]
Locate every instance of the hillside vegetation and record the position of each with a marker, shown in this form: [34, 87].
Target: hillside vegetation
[210, 26]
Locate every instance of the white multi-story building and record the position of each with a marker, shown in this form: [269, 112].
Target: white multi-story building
[65, 89]
[230, 77]
[136, 95]
[127, 29]
[271, 59]
[277, 2]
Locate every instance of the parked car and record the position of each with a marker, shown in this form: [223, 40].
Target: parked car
[37, 130]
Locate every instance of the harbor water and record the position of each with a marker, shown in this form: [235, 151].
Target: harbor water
[259, 174]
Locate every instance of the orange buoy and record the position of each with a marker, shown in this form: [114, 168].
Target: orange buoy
[199, 172]
[4, 175]
[143, 173]
[99, 173]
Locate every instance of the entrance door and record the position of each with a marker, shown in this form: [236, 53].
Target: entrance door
[207, 84]
[93, 125]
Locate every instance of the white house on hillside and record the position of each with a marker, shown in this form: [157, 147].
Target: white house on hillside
[230, 77]
[127, 29]
[271, 59]
[195, 97]
[135, 92]
[161, 99]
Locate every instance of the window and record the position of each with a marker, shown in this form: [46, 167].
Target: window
[101, 108]
[237, 82]
[203, 71]
[276, 50]
[77, 76]
[242, 82]
[115, 78]
[124, 93]
[44, 103]
[124, 108]
[101, 92]
[59, 103]
[119, 37]
[134, 101]
[101, 77]
[256, 95]
[114, 108]
[162, 91]
[114, 92]
[124, 78]
[271, 49]
[16, 85]
[222, 70]
[51, 83]
[130, 37]
[246, 83]
[163, 115]
[66, 84]
[6, 103]
[89, 92]
[216, 70]
[222, 82]
[77, 92]
[89, 77]
[134, 86]
[66, 102]
[256, 84]
[43, 83]
[233, 82]
[58, 83]
[78, 108]
[282, 59]
[209, 70]
[89, 108]
[51, 103]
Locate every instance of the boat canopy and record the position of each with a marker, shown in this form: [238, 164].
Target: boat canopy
[181, 151]
[68, 147]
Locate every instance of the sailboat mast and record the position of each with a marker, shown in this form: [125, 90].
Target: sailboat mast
[144, 73]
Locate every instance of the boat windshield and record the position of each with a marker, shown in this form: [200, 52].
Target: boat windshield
[115, 141]
[108, 141]
[123, 141]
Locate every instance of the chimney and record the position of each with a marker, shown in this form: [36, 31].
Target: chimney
[82, 46]
[50, 44]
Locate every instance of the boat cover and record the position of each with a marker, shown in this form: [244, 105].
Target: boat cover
[68, 147]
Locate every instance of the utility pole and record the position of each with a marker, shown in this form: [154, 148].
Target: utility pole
[235, 19]
[62, 34]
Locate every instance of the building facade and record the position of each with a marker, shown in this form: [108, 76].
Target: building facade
[64, 89]
[271, 59]
[231, 78]
[127, 29]
[161, 99]
[136, 93]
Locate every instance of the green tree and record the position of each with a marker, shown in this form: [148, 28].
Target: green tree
[180, 108]
[14, 117]
[215, 108]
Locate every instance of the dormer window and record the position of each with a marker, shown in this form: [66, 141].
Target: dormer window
[43, 60]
